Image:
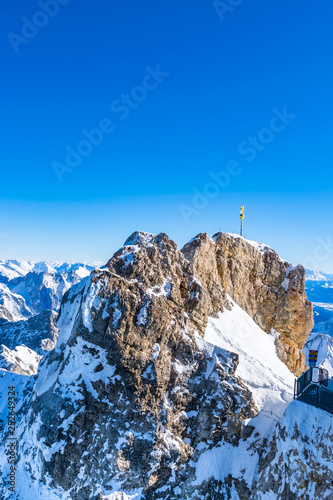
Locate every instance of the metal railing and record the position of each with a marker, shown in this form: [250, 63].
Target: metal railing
[313, 375]
[319, 396]
[311, 388]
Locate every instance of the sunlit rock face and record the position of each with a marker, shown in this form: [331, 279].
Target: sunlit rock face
[136, 389]
[133, 401]
[268, 288]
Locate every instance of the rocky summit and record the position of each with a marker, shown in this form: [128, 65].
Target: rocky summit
[169, 379]
[269, 289]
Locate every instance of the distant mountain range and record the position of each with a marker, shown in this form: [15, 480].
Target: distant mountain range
[24, 343]
[30, 297]
[317, 275]
[319, 289]
[28, 288]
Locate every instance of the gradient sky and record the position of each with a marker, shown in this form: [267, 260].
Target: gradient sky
[221, 81]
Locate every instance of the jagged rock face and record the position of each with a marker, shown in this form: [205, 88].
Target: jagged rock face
[132, 400]
[269, 289]
[138, 392]
[298, 460]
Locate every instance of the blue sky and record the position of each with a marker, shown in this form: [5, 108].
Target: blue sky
[194, 91]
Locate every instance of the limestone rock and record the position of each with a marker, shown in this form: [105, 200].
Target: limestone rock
[298, 460]
[136, 388]
[132, 395]
[268, 288]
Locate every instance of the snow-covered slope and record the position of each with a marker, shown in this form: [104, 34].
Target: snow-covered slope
[297, 463]
[20, 360]
[270, 383]
[10, 269]
[23, 343]
[269, 380]
[38, 333]
[12, 306]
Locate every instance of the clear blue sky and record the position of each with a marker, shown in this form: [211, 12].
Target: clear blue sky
[224, 79]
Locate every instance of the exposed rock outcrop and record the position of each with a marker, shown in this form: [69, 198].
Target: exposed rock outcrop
[151, 390]
[298, 460]
[268, 288]
[132, 395]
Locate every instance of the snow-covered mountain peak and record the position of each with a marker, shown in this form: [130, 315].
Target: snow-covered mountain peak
[261, 247]
[10, 269]
[312, 275]
[140, 238]
[169, 378]
[164, 386]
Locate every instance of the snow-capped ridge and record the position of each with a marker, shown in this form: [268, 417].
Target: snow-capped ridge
[160, 386]
[312, 275]
[140, 238]
[261, 247]
[267, 377]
